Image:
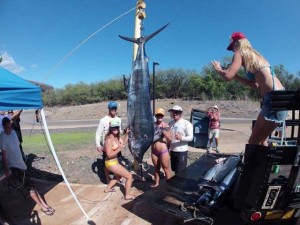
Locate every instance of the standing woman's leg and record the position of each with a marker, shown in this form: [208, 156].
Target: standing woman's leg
[156, 165]
[261, 130]
[122, 172]
[165, 163]
[110, 185]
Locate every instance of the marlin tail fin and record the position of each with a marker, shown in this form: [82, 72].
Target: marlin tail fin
[148, 37]
[143, 39]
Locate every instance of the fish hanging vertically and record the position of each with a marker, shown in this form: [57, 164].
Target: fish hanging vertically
[139, 113]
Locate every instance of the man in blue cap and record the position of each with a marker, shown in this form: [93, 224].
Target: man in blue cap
[103, 129]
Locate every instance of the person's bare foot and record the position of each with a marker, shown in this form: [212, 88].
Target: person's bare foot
[109, 190]
[154, 185]
[129, 197]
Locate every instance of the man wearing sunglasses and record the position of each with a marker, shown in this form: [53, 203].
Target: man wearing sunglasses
[181, 133]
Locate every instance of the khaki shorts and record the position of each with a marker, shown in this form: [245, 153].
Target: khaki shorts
[213, 133]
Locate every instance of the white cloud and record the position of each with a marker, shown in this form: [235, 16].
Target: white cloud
[9, 63]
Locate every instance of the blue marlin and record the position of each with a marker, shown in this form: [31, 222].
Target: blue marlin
[139, 113]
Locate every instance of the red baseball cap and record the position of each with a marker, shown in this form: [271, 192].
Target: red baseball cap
[233, 38]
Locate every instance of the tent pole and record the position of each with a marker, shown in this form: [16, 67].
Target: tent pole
[58, 163]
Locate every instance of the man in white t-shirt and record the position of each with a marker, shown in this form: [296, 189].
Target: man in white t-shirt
[13, 164]
[102, 130]
[181, 133]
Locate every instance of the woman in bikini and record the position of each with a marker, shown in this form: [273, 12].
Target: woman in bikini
[113, 145]
[259, 75]
[159, 149]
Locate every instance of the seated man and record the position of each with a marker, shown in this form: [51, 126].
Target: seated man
[13, 161]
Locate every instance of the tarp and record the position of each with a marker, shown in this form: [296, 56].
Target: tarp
[17, 93]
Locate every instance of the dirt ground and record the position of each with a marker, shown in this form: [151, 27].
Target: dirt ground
[85, 165]
[84, 169]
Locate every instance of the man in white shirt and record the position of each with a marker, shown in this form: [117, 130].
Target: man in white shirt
[181, 133]
[13, 164]
[102, 130]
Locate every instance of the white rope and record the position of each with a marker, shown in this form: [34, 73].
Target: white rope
[80, 44]
[58, 163]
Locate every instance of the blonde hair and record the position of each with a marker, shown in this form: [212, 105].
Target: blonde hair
[252, 59]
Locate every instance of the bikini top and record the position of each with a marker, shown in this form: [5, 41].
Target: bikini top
[158, 132]
[251, 76]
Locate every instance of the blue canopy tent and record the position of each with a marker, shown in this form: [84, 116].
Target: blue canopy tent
[17, 93]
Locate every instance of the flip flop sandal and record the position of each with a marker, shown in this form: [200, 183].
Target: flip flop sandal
[51, 209]
[109, 191]
[47, 212]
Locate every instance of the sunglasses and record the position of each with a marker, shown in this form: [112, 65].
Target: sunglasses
[176, 112]
[159, 115]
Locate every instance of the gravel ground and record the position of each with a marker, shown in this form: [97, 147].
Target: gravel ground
[86, 165]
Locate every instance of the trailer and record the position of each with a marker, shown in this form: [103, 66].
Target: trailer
[260, 186]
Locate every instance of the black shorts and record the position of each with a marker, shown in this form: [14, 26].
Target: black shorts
[22, 179]
[178, 161]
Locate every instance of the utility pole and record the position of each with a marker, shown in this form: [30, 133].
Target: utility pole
[139, 16]
[153, 87]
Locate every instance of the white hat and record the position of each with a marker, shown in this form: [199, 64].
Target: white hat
[176, 108]
[215, 107]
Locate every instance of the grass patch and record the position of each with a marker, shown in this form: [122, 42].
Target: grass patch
[62, 141]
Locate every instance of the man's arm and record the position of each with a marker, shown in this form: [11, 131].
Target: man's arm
[211, 115]
[189, 132]
[16, 115]
[98, 136]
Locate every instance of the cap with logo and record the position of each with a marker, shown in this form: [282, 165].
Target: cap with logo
[233, 38]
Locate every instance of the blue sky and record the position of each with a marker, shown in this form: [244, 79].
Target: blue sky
[35, 35]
